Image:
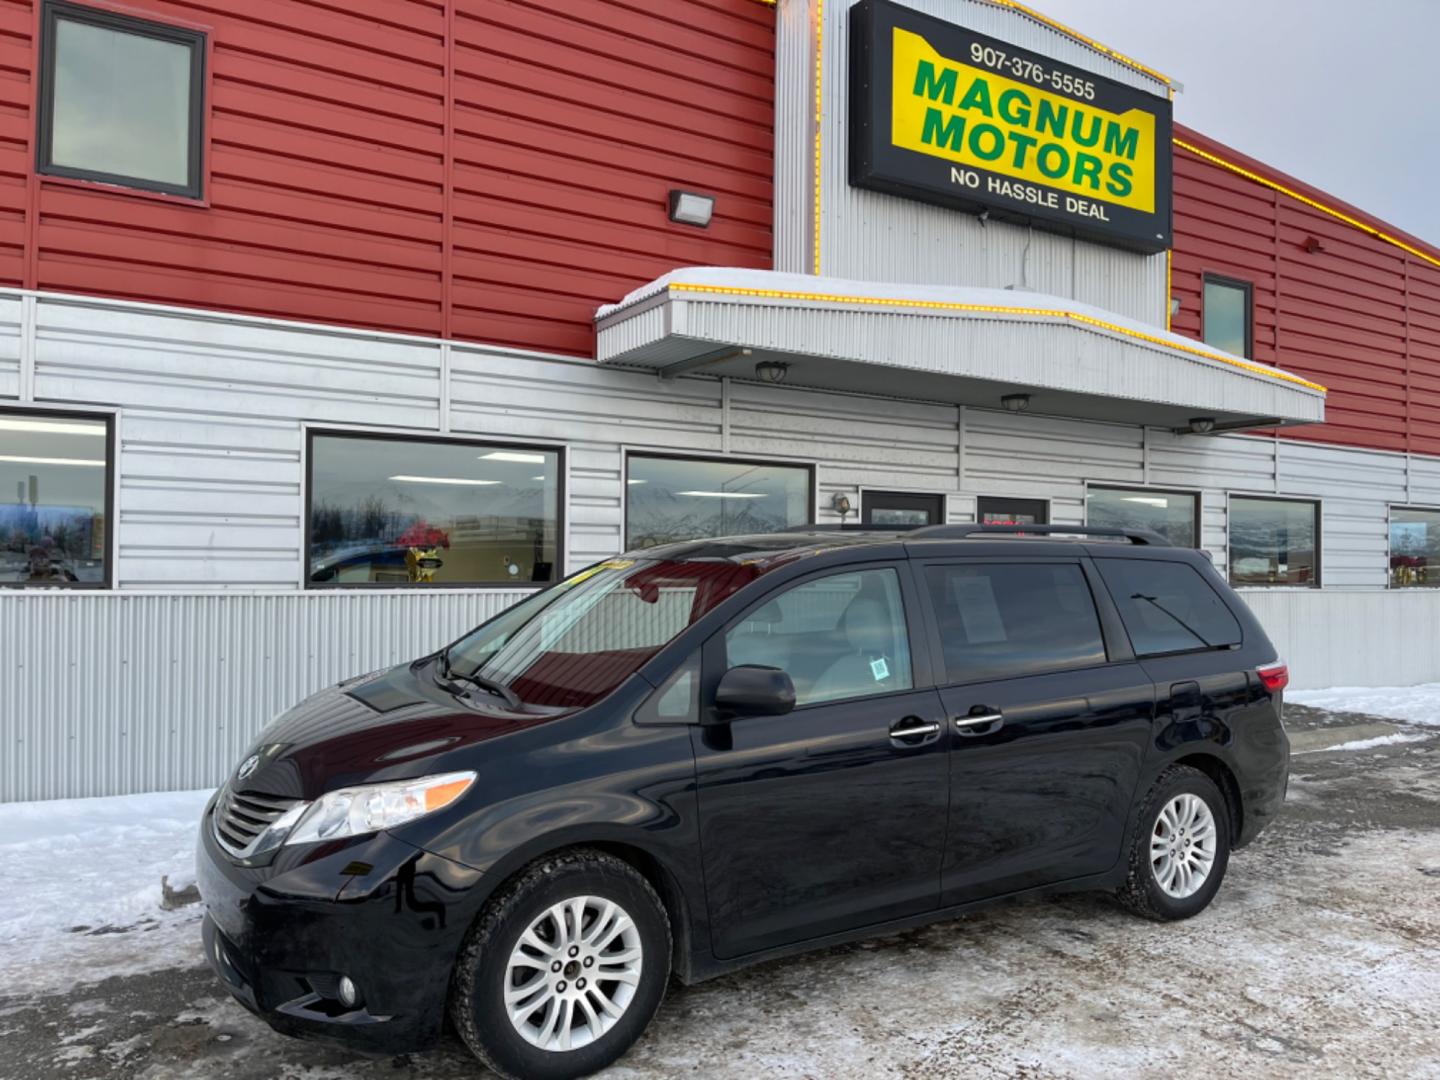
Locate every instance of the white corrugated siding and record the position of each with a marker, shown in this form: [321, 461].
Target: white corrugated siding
[104, 693]
[870, 236]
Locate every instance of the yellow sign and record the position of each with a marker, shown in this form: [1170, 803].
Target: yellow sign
[950, 109]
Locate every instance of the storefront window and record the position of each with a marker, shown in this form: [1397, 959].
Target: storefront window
[1414, 547]
[54, 495]
[1175, 515]
[392, 511]
[670, 499]
[1226, 315]
[1274, 542]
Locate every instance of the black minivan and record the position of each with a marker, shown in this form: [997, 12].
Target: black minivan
[698, 756]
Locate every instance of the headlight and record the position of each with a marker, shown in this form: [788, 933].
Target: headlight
[373, 807]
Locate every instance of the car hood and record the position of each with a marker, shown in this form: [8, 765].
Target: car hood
[389, 725]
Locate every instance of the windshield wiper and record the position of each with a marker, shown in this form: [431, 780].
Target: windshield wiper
[490, 686]
[1183, 624]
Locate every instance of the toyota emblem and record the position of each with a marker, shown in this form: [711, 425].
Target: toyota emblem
[248, 766]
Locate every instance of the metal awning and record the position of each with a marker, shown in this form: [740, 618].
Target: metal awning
[964, 346]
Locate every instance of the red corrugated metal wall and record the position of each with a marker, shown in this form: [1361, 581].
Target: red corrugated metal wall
[484, 169]
[1361, 316]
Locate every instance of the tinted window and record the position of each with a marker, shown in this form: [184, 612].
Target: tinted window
[1274, 542]
[1168, 607]
[837, 637]
[431, 512]
[54, 482]
[1002, 620]
[1414, 547]
[120, 100]
[1227, 315]
[1172, 514]
[673, 499]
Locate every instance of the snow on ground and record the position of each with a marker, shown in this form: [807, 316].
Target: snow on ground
[1412, 704]
[78, 871]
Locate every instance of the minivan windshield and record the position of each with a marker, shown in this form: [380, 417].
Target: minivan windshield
[570, 645]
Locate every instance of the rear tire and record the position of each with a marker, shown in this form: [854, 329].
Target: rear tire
[564, 968]
[1181, 847]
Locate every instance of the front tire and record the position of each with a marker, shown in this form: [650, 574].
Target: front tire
[563, 969]
[1181, 847]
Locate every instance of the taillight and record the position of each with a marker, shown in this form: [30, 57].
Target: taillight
[1275, 676]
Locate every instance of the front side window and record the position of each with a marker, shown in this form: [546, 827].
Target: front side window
[1226, 315]
[1414, 547]
[837, 637]
[568, 647]
[671, 499]
[1274, 541]
[998, 621]
[1168, 607]
[54, 499]
[121, 100]
[1175, 515]
[387, 511]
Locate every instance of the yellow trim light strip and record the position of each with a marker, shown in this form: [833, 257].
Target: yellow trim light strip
[1369, 230]
[1071, 32]
[998, 309]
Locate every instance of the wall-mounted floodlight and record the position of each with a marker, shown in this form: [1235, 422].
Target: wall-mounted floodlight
[1016, 402]
[691, 208]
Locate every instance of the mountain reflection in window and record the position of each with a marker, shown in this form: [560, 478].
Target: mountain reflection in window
[432, 512]
[673, 499]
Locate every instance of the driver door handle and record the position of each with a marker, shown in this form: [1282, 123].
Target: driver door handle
[913, 731]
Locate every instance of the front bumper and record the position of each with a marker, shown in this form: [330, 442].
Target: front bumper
[386, 914]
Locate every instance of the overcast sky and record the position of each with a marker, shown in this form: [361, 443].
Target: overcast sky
[1338, 94]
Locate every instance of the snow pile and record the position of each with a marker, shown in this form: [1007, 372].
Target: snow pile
[1411, 704]
[82, 885]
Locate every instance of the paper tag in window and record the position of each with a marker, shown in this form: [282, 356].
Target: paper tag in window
[880, 669]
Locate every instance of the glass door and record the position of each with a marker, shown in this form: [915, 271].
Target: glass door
[990, 510]
[901, 508]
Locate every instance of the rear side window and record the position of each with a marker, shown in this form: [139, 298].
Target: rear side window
[999, 621]
[1168, 607]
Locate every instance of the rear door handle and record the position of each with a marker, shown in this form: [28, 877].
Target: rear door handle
[913, 731]
[983, 722]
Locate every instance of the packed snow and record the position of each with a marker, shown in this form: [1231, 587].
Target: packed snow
[78, 872]
[1411, 704]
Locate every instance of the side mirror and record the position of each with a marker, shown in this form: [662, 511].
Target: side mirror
[752, 690]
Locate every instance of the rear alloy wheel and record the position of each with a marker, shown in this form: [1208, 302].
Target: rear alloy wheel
[563, 969]
[1181, 846]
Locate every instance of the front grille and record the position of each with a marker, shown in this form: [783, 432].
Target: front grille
[241, 816]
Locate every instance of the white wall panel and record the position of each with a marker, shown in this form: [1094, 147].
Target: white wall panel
[113, 693]
[10, 345]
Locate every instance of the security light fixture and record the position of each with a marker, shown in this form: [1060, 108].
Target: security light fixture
[841, 504]
[771, 371]
[691, 208]
[1016, 402]
[1313, 246]
[1200, 425]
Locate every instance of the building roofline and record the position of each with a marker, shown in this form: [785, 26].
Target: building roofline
[1226, 157]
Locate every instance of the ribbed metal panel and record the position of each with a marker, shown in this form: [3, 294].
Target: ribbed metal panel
[9, 346]
[110, 694]
[869, 236]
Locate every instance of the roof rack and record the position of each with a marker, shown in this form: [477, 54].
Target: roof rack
[960, 532]
[851, 526]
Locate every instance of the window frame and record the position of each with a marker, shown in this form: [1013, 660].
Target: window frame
[197, 38]
[662, 455]
[1390, 509]
[1319, 508]
[1246, 287]
[715, 660]
[109, 419]
[1197, 494]
[562, 474]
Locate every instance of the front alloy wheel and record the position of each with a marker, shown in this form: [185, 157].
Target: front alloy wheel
[573, 973]
[564, 967]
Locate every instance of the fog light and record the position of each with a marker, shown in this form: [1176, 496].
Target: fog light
[349, 995]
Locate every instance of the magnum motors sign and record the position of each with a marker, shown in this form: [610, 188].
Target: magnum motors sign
[945, 115]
